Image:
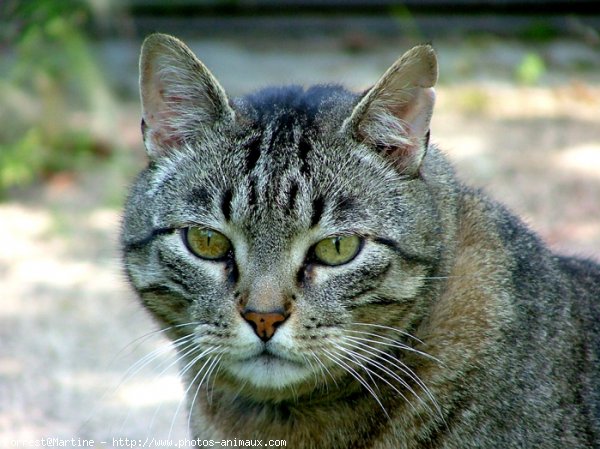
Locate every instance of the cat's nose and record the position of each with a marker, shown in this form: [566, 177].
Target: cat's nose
[264, 324]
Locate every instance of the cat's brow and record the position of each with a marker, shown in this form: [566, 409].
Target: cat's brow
[292, 196]
[410, 257]
[253, 152]
[226, 204]
[317, 211]
[133, 245]
[304, 146]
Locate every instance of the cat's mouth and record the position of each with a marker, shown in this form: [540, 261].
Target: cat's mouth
[268, 356]
[269, 369]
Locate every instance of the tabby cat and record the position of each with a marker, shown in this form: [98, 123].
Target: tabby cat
[326, 279]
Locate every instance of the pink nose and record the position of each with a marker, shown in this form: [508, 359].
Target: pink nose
[264, 324]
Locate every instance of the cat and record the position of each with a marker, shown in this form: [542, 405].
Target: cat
[327, 280]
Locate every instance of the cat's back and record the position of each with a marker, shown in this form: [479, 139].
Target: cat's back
[583, 278]
[547, 350]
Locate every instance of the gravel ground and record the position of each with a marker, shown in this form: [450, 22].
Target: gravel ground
[68, 321]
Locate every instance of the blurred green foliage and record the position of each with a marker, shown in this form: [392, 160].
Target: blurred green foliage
[473, 101]
[407, 21]
[539, 31]
[55, 106]
[531, 69]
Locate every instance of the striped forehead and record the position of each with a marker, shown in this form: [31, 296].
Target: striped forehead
[277, 152]
[285, 186]
[274, 174]
[276, 170]
[283, 119]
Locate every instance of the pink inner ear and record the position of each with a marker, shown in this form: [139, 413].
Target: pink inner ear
[405, 158]
[171, 99]
[161, 119]
[417, 112]
[166, 137]
[161, 131]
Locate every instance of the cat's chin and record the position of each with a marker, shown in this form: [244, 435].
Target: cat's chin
[268, 371]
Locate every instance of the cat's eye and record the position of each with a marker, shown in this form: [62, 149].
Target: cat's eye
[206, 243]
[337, 250]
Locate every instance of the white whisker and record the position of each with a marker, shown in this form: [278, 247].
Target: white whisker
[386, 341]
[350, 355]
[324, 369]
[185, 369]
[398, 364]
[212, 388]
[139, 340]
[215, 360]
[148, 358]
[385, 370]
[382, 326]
[306, 360]
[138, 364]
[188, 349]
[395, 363]
[335, 359]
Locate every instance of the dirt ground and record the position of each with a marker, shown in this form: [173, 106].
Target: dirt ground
[69, 324]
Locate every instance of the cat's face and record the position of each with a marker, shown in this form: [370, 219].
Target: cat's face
[277, 234]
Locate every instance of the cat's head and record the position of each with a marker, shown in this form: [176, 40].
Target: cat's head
[279, 233]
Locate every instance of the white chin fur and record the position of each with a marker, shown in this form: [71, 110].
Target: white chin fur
[269, 372]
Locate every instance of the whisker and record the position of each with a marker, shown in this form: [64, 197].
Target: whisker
[138, 340]
[137, 366]
[181, 373]
[185, 369]
[183, 353]
[211, 370]
[404, 369]
[145, 360]
[189, 349]
[215, 360]
[382, 326]
[238, 392]
[399, 365]
[398, 378]
[386, 341]
[335, 359]
[196, 358]
[390, 373]
[185, 397]
[350, 356]
[212, 388]
[307, 360]
[324, 369]
[388, 358]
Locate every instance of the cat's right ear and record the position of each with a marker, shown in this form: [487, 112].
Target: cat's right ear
[181, 99]
[393, 116]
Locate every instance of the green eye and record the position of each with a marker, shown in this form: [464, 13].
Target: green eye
[337, 250]
[206, 243]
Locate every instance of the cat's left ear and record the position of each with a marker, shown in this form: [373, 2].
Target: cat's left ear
[180, 97]
[393, 117]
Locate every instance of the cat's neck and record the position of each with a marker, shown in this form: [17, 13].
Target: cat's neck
[310, 422]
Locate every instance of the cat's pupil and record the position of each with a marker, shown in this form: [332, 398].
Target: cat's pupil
[206, 243]
[337, 250]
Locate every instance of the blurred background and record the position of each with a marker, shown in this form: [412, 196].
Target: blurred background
[518, 113]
